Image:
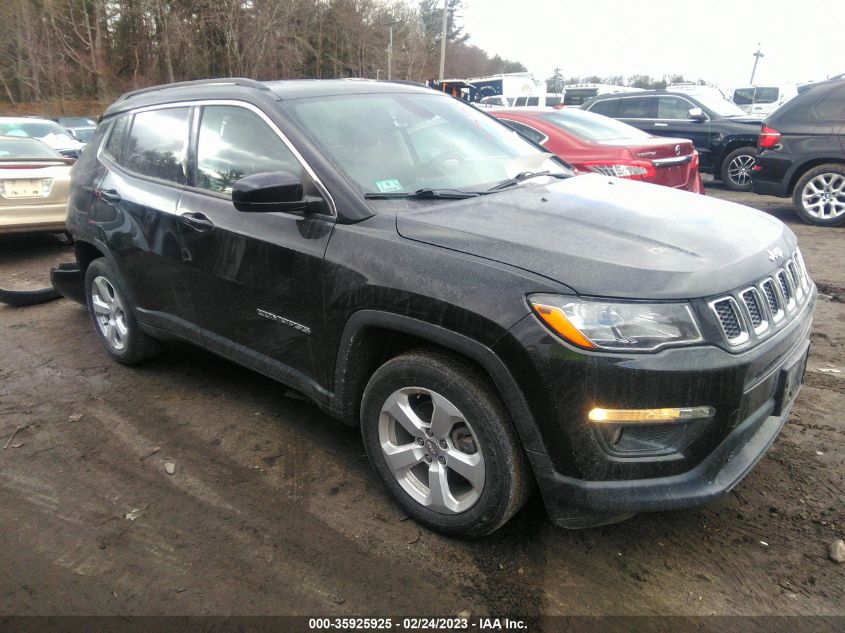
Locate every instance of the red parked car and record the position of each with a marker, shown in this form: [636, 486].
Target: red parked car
[592, 142]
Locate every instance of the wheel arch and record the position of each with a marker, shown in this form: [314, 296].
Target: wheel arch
[372, 337]
[809, 164]
[733, 143]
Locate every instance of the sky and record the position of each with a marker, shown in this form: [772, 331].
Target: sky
[712, 40]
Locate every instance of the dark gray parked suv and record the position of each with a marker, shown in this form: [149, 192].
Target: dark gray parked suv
[802, 154]
[488, 319]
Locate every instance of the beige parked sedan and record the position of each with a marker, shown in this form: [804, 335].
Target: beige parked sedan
[34, 183]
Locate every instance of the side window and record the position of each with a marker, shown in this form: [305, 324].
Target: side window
[553, 101]
[117, 138]
[521, 101]
[673, 108]
[234, 142]
[637, 108]
[527, 131]
[158, 144]
[608, 107]
[832, 106]
[533, 101]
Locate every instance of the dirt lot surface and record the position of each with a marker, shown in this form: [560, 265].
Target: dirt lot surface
[273, 509]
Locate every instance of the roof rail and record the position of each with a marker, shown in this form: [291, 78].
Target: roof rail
[237, 81]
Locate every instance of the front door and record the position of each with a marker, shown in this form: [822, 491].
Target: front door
[256, 278]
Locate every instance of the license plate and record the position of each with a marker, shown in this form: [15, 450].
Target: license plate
[790, 382]
[22, 188]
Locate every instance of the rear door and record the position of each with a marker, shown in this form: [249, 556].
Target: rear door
[135, 208]
[641, 112]
[256, 278]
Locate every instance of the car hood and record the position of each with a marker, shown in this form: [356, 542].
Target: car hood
[609, 237]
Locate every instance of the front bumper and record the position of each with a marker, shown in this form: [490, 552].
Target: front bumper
[585, 482]
[575, 503]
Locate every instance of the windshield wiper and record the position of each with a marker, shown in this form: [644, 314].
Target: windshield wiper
[424, 194]
[523, 176]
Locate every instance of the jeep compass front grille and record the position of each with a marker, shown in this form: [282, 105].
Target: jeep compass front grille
[753, 312]
[749, 298]
[728, 318]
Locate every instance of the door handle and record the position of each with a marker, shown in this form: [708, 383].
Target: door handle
[197, 221]
[110, 196]
[661, 125]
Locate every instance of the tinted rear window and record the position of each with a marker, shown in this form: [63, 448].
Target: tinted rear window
[608, 107]
[25, 148]
[821, 104]
[637, 108]
[158, 144]
[744, 96]
[577, 96]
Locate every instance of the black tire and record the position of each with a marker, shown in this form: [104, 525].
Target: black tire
[507, 479]
[836, 171]
[736, 169]
[134, 346]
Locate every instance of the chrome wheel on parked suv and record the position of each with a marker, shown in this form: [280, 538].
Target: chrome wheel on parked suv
[819, 195]
[736, 169]
[441, 440]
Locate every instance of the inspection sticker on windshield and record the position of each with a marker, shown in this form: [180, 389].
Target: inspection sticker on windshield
[389, 186]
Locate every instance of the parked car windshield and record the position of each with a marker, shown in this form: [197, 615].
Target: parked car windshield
[720, 105]
[591, 127]
[35, 129]
[399, 143]
[75, 121]
[11, 147]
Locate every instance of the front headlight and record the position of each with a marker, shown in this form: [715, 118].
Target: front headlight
[617, 325]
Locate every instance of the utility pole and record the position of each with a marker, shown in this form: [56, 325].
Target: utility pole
[390, 48]
[757, 57]
[443, 38]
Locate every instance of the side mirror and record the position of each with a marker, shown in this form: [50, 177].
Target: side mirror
[270, 192]
[697, 114]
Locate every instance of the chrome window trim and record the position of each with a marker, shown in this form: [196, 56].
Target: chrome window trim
[221, 102]
[542, 142]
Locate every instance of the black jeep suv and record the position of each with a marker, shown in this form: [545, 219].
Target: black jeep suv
[416, 268]
[724, 135]
[802, 153]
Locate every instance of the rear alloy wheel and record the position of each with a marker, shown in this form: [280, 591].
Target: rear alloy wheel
[819, 195]
[736, 169]
[442, 442]
[114, 320]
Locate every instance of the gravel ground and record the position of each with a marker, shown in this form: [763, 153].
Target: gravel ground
[272, 508]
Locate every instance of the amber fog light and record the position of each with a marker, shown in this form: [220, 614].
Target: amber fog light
[650, 416]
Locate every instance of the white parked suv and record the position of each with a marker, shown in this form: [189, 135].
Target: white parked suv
[761, 101]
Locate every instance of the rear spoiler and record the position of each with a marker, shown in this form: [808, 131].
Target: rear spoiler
[8, 162]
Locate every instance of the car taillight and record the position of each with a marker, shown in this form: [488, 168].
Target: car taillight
[633, 169]
[769, 137]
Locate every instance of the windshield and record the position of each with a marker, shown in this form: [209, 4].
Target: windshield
[25, 148]
[77, 122]
[35, 129]
[402, 142]
[592, 127]
[719, 105]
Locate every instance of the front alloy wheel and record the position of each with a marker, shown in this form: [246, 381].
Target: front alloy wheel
[441, 440]
[431, 450]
